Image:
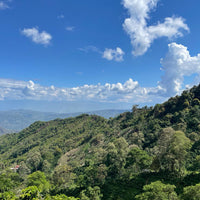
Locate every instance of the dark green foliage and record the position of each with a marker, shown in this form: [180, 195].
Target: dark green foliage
[138, 161]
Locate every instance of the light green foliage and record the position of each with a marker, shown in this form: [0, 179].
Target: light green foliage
[60, 197]
[6, 183]
[30, 193]
[7, 196]
[194, 137]
[158, 191]
[91, 194]
[179, 146]
[196, 101]
[46, 167]
[172, 150]
[191, 193]
[38, 179]
[136, 138]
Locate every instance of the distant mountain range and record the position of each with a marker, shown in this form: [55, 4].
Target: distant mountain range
[16, 120]
[4, 131]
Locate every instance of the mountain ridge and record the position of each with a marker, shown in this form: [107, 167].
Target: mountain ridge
[16, 120]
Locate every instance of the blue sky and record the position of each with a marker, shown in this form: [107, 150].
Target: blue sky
[66, 55]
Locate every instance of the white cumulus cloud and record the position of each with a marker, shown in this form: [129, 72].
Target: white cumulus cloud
[109, 54]
[142, 35]
[178, 64]
[113, 54]
[36, 36]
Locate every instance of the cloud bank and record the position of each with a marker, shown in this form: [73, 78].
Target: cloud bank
[37, 37]
[13, 89]
[142, 35]
[177, 64]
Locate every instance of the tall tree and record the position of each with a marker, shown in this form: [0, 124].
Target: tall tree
[172, 150]
[158, 191]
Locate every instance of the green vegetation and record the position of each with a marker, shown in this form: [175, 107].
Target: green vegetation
[147, 154]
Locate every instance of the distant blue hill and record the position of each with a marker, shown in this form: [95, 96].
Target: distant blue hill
[16, 120]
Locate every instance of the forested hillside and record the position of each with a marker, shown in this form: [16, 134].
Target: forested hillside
[147, 154]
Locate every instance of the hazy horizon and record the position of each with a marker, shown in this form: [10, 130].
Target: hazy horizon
[60, 106]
